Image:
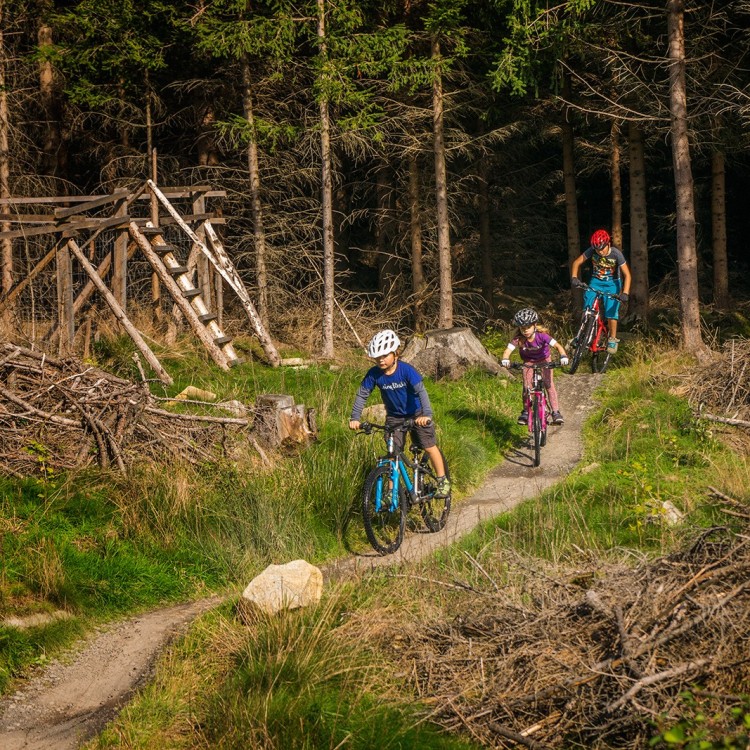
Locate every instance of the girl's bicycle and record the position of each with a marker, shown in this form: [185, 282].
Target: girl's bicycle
[536, 405]
[592, 335]
[396, 485]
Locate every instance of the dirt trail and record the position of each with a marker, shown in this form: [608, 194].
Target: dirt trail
[73, 699]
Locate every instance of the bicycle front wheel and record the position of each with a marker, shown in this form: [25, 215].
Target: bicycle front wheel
[600, 361]
[536, 429]
[584, 337]
[435, 510]
[384, 525]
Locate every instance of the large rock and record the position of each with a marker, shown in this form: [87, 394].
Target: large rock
[449, 353]
[296, 584]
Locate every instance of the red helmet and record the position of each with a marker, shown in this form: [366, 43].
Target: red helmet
[600, 239]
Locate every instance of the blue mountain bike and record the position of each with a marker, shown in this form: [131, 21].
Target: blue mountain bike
[396, 485]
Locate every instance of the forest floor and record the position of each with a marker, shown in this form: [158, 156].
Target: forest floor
[73, 698]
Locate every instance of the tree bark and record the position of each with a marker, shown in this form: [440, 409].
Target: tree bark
[639, 291]
[719, 231]
[687, 257]
[6, 245]
[259, 234]
[485, 240]
[445, 315]
[616, 185]
[384, 234]
[415, 233]
[327, 201]
[569, 179]
[55, 158]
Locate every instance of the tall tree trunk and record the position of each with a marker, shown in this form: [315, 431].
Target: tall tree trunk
[415, 234]
[6, 246]
[485, 240]
[569, 179]
[719, 230]
[639, 291]
[687, 258]
[55, 158]
[445, 315]
[259, 234]
[616, 185]
[327, 201]
[387, 259]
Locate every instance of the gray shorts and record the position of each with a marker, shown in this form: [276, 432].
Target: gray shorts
[424, 437]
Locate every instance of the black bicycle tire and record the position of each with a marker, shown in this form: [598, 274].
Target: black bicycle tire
[584, 334]
[432, 521]
[387, 519]
[536, 430]
[598, 357]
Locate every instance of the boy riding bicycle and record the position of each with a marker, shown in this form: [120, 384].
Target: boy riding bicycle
[609, 274]
[533, 343]
[404, 397]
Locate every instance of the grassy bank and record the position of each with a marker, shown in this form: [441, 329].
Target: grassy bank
[95, 546]
[349, 674]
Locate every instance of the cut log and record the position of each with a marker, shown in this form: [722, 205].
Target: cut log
[279, 422]
[448, 353]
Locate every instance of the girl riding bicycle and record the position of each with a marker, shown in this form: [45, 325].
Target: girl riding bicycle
[533, 343]
[404, 397]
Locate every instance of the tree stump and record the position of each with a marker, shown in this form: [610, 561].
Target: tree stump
[279, 422]
[449, 353]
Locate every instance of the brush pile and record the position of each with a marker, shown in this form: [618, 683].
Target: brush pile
[60, 414]
[594, 659]
[722, 387]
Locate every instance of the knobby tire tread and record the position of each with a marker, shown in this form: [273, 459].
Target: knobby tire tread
[584, 335]
[435, 511]
[384, 528]
[537, 431]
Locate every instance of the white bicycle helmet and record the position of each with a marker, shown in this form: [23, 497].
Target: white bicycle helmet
[382, 343]
[525, 317]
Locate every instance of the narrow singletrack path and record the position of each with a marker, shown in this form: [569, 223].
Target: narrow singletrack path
[74, 698]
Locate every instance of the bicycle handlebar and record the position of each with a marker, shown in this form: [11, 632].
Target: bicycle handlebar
[367, 427]
[532, 365]
[584, 285]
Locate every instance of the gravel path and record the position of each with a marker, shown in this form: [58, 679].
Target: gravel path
[74, 698]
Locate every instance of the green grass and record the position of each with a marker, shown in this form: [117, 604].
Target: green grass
[100, 545]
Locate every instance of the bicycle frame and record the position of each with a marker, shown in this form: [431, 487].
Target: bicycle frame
[391, 491]
[593, 333]
[536, 405]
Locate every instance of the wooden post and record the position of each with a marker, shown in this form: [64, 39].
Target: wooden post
[119, 313]
[155, 286]
[204, 275]
[120, 261]
[218, 297]
[65, 320]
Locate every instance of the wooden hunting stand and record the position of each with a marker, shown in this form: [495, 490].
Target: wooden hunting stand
[108, 235]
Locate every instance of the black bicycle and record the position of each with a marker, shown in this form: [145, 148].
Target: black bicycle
[592, 334]
[396, 485]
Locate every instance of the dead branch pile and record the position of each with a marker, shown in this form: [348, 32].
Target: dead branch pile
[722, 387]
[59, 414]
[591, 668]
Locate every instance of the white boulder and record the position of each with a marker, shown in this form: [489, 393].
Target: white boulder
[290, 586]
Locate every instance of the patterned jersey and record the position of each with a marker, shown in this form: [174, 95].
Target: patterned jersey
[605, 267]
[536, 350]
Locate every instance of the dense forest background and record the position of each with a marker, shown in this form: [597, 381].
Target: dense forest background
[410, 159]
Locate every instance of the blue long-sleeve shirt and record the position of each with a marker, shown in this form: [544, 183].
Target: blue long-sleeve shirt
[403, 392]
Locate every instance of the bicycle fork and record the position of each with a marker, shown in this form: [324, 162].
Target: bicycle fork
[397, 474]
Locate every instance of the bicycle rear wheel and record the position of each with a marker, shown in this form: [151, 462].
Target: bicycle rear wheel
[536, 430]
[584, 337]
[435, 510]
[384, 525]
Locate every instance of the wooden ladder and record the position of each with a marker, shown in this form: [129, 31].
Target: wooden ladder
[177, 279]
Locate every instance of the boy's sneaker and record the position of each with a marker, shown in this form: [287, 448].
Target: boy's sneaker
[523, 417]
[443, 487]
[612, 345]
[557, 418]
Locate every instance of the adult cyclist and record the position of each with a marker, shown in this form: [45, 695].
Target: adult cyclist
[609, 274]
